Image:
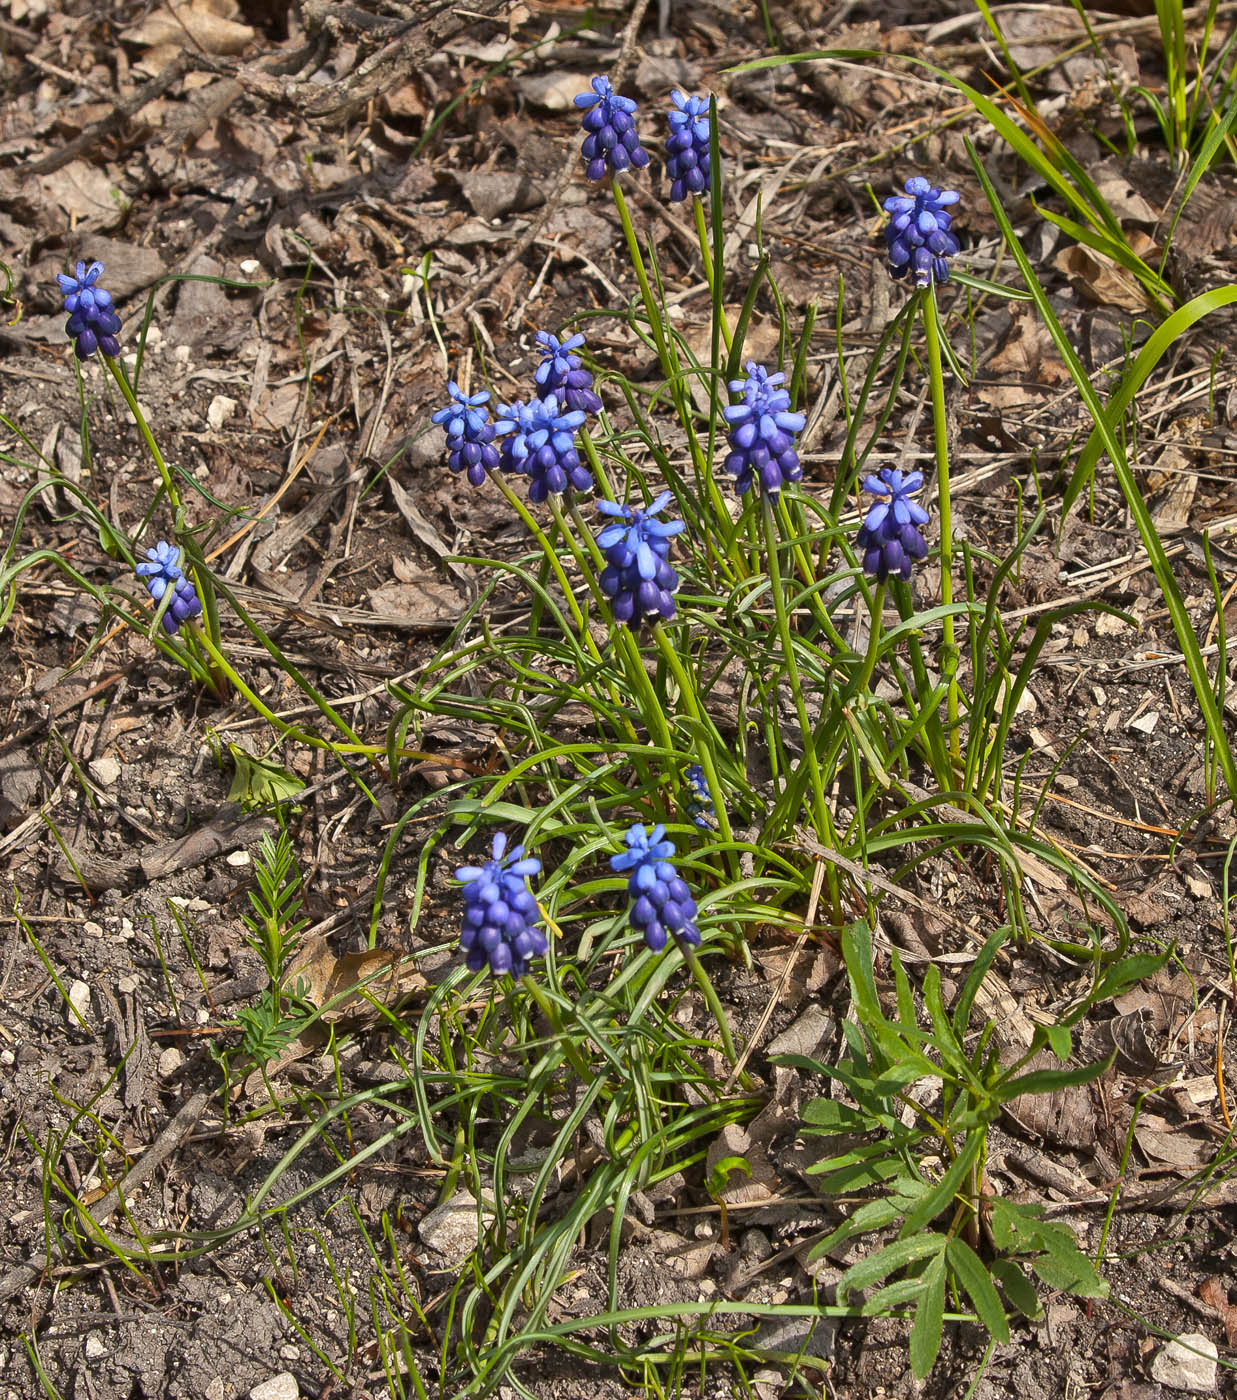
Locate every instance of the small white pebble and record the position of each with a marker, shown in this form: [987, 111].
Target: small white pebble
[79, 998]
[280, 1387]
[238, 858]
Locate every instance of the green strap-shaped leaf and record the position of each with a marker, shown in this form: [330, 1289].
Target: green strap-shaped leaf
[975, 1278]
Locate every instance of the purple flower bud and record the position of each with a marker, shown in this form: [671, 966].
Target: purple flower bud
[918, 232]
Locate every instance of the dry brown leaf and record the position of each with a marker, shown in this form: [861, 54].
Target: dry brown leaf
[85, 193]
[1099, 279]
[199, 23]
[428, 599]
[1213, 1291]
[1161, 1141]
[1065, 1117]
[1028, 353]
[345, 986]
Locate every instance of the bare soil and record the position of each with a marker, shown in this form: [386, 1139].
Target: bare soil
[311, 156]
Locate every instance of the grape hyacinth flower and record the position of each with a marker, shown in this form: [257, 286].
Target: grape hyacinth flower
[562, 372]
[612, 141]
[542, 444]
[699, 803]
[500, 911]
[162, 573]
[762, 430]
[93, 323]
[662, 903]
[637, 578]
[889, 537]
[687, 147]
[918, 232]
[470, 434]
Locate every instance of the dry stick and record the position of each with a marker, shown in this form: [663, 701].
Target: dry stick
[163, 1146]
[979, 48]
[114, 121]
[533, 231]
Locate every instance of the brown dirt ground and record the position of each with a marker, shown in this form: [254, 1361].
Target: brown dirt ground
[261, 157]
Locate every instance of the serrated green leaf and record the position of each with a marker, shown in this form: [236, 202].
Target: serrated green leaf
[970, 1272]
[911, 1067]
[1070, 1275]
[944, 1040]
[1015, 1228]
[925, 1340]
[1018, 1289]
[881, 1264]
[974, 980]
[872, 1215]
[939, 1196]
[859, 1173]
[1048, 1081]
[836, 1117]
[257, 783]
[1060, 1042]
[893, 1295]
[1127, 973]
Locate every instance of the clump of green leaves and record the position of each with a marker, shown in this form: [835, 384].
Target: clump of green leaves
[273, 928]
[953, 1239]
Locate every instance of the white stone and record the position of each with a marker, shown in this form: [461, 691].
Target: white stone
[105, 770]
[451, 1228]
[169, 1062]
[1187, 1363]
[219, 410]
[217, 1390]
[92, 930]
[1145, 722]
[128, 985]
[79, 998]
[280, 1387]
[95, 1346]
[237, 858]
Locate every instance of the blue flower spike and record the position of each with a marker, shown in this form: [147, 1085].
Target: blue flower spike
[470, 434]
[539, 440]
[162, 573]
[562, 372]
[762, 432]
[918, 231]
[661, 902]
[889, 538]
[93, 323]
[687, 147]
[637, 577]
[500, 912]
[613, 142]
[698, 804]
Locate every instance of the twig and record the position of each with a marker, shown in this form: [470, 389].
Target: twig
[163, 1146]
[115, 119]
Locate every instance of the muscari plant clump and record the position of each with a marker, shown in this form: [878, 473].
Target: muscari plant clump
[539, 439]
[630, 589]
